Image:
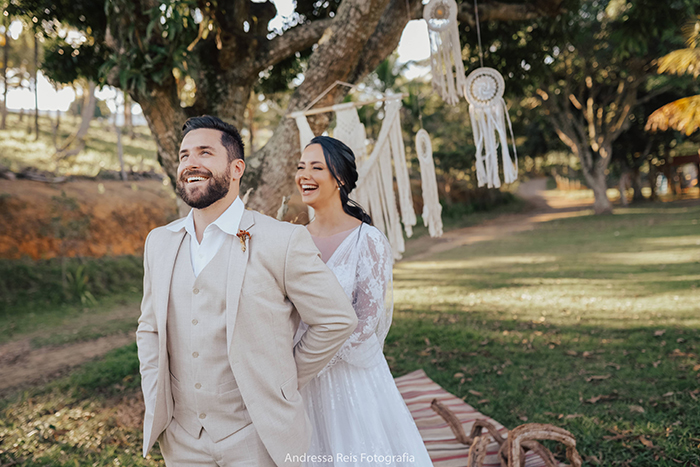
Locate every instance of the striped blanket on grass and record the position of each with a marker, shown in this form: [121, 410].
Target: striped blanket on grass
[418, 391]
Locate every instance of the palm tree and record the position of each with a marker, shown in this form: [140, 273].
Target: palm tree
[682, 114]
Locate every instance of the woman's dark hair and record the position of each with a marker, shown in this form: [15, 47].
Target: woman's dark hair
[341, 162]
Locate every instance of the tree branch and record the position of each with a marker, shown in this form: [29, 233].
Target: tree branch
[499, 11]
[299, 38]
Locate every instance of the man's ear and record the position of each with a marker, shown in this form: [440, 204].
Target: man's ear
[237, 169]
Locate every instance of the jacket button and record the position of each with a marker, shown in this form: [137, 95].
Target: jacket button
[194, 321]
[199, 386]
[195, 291]
[195, 354]
[202, 416]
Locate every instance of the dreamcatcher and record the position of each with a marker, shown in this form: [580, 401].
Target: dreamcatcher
[488, 113]
[445, 49]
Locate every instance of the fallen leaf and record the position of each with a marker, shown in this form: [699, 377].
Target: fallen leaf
[483, 401]
[597, 378]
[459, 375]
[696, 367]
[614, 365]
[657, 363]
[427, 341]
[668, 394]
[573, 415]
[636, 408]
[573, 353]
[586, 354]
[592, 459]
[484, 342]
[475, 393]
[594, 399]
[659, 333]
[551, 414]
[646, 442]
[523, 418]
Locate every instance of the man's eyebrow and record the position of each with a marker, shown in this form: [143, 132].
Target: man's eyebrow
[201, 148]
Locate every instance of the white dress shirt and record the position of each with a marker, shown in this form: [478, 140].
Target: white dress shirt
[214, 235]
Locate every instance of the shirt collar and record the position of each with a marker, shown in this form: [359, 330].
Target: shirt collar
[228, 221]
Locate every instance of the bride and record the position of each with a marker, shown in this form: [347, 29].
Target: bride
[357, 413]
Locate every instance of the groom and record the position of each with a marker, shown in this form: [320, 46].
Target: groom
[224, 290]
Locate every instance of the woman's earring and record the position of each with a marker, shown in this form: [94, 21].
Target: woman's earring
[338, 187]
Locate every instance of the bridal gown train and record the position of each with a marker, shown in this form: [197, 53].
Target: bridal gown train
[358, 415]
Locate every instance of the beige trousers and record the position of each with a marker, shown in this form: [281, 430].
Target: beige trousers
[243, 448]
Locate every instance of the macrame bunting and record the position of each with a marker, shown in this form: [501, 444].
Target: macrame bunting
[432, 209]
[445, 49]
[488, 113]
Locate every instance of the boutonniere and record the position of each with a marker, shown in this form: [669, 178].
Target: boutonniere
[243, 235]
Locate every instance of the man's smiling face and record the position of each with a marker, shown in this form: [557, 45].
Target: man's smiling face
[204, 175]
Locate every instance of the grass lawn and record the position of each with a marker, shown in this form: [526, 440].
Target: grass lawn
[588, 323]
[19, 150]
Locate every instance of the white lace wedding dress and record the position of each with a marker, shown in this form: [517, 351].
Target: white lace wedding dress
[357, 413]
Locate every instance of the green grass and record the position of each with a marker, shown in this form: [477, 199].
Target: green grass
[19, 150]
[32, 298]
[582, 323]
[92, 417]
[588, 323]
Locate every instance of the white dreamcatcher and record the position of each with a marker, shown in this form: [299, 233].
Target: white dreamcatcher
[488, 113]
[445, 49]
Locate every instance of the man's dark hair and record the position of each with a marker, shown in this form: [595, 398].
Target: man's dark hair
[230, 137]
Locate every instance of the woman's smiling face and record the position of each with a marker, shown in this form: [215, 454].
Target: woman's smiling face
[314, 179]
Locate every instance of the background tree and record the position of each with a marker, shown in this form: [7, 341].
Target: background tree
[152, 49]
[586, 68]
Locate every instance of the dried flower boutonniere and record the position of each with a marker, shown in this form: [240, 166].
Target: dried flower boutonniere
[243, 235]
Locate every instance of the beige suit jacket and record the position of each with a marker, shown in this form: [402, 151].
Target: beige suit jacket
[277, 281]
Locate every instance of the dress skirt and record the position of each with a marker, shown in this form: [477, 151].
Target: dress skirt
[361, 420]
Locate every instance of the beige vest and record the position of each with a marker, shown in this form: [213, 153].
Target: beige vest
[204, 389]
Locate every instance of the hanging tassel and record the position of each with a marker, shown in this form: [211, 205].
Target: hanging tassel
[445, 49]
[432, 209]
[488, 113]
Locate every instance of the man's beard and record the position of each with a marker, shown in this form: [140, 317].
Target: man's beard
[215, 189]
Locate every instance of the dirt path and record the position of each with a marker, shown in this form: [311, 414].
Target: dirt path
[546, 204]
[21, 365]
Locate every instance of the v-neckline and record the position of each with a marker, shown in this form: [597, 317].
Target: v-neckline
[341, 243]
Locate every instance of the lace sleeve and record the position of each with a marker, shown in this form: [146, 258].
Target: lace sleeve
[372, 299]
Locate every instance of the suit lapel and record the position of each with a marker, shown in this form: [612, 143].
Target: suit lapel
[163, 276]
[238, 260]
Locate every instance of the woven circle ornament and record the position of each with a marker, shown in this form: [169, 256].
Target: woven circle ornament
[488, 113]
[445, 49]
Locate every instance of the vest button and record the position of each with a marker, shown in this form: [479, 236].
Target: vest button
[202, 416]
[195, 291]
[194, 321]
[195, 354]
[199, 386]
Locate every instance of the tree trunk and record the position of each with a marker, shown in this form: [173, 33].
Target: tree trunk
[76, 143]
[5, 58]
[598, 183]
[251, 123]
[637, 186]
[36, 87]
[128, 121]
[652, 181]
[622, 187]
